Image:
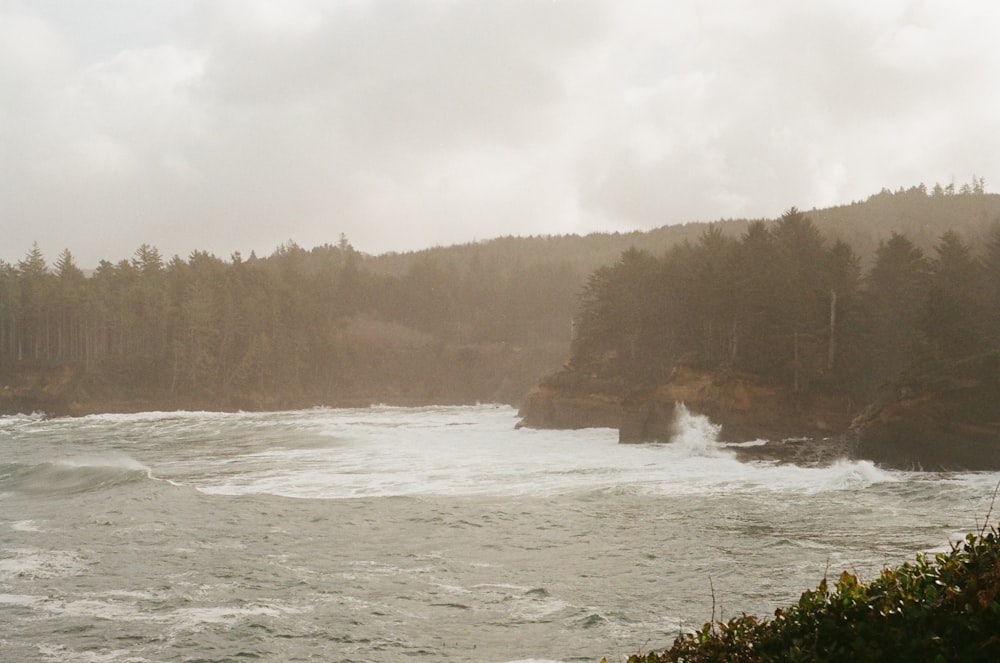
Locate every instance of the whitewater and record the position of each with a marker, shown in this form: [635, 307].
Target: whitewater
[436, 533]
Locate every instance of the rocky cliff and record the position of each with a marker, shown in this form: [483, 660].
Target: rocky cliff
[950, 421]
[746, 408]
[947, 421]
[547, 406]
[41, 389]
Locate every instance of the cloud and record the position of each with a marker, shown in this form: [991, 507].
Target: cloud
[399, 121]
[806, 104]
[31, 52]
[103, 149]
[238, 124]
[403, 76]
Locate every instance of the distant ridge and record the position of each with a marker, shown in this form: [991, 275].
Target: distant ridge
[923, 217]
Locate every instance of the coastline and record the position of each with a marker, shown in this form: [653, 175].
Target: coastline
[951, 423]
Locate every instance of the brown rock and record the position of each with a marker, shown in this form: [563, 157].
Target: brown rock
[745, 407]
[561, 408]
[948, 422]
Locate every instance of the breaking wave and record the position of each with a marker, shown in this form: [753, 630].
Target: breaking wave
[73, 475]
[695, 433]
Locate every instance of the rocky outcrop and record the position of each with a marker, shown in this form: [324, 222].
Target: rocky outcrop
[947, 421]
[41, 389]
[546, 406]
[801, 451]
[950, 421]
[746, 408]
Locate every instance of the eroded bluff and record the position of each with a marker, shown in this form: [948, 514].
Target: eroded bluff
[950, 421]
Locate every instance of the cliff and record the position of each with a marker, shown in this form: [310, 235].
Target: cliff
[62, 390]
[946, 421]
[746, 408]
[40, 389]
[547, 406]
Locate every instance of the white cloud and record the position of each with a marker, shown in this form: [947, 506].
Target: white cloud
[31, 52]
[237, 124]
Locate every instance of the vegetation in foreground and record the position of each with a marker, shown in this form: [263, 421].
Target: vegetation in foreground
[939, 608]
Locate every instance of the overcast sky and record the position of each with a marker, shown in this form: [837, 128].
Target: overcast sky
[235, 125]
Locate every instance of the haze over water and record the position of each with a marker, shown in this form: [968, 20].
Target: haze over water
[439, 533]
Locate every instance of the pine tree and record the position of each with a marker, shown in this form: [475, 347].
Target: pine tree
[952, 319]
[894, 305]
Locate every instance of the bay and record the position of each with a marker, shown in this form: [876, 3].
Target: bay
[438, 533]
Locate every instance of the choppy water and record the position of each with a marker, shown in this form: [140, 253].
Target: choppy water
[437, 534]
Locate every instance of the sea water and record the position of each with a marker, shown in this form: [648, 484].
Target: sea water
[437, 534]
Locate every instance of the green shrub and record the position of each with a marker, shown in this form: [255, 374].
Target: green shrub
[944, 607]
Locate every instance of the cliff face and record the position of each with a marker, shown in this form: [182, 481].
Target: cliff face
[560, 408]
[746, 408]
[949, 423]
[42, 389]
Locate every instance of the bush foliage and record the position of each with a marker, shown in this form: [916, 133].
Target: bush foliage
[944, 607]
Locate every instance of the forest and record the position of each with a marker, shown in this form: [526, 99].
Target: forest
[783, 303]
[486, 321]
[297, 328]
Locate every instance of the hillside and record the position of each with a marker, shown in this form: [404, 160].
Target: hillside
[785, 332]
[332, 326]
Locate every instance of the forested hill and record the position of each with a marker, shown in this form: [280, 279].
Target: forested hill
[786, 332]
[920, 215]
[785, 304]
[332, 326]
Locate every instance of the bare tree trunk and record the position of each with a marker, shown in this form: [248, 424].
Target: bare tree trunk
[832, 356]
[795, 379]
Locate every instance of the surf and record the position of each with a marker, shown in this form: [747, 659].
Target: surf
[73, 475]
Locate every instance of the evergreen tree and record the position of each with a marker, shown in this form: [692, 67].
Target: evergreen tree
[894, 307]
[844, 340]
[802, 295]
[713, 297]
[9, 313]
[953, 315]
[758, 311]
[613, 319]
[991, 288]
[71, 306]
[34, 280]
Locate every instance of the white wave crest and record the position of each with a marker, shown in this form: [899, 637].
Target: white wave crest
[694, 433]
[110, 460]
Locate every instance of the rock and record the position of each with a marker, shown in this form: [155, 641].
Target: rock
[804, 452]
[41, 389]
[949, 421]
[745, 407]
[561, 408]
[645, 418]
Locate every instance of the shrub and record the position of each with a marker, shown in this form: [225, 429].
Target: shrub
[944, 607]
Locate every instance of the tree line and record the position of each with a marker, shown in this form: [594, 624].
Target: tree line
[782, 303]
[486, 320]
[298, 326]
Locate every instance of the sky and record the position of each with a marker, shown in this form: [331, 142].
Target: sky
[238, 125]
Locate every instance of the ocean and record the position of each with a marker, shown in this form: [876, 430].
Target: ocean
[434, 533]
